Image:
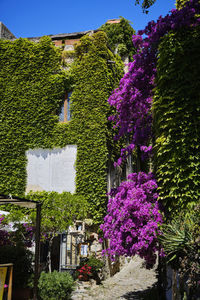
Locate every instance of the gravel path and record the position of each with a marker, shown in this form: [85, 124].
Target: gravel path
[133, 282]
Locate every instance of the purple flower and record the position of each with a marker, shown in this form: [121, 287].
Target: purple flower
[133, 218]
[133, 98]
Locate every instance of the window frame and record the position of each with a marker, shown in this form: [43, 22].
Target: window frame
[65, 104]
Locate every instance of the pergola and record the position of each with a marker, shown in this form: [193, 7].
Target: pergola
[33, 205]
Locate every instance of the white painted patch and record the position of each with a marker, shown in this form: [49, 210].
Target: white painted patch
[51, 170]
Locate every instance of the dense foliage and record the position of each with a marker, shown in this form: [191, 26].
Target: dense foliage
[15, 234]
[133, 98]
[132, 219]
[94, 78]
[59, 210]
[55, 286]
[120, 37]
[133, 103]
[177, 119]
[31, 90]
[180, 3]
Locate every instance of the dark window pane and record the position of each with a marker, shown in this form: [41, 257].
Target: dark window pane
[62, 114]
[68, 107]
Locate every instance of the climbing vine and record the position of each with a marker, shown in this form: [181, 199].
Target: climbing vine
[132, 222]
[171, 72]
[177, 118]
[94, 78]
[120, 37]
[32, 87]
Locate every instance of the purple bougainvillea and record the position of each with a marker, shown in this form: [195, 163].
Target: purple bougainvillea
[133, 98]
[133, 217]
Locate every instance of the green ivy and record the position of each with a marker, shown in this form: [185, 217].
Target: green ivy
[180, 3]
[120, 34]
[32, 87]
[94, 78]
[177, 119]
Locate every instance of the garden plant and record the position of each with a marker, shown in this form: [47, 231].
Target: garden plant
[55, 285]
[157, 111]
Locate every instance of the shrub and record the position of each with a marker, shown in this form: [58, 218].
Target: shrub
[55, 285]
[95, 263]
[22, 263]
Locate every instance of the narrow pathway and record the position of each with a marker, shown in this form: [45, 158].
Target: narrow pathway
[133, 282]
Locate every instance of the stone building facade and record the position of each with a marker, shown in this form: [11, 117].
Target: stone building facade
[46, 168]
[5, 33]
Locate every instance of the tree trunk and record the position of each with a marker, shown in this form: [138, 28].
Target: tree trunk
[49, 253]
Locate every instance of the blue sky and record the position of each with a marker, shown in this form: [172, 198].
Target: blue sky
[28, 18]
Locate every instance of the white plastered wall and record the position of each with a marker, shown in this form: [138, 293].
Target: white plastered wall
[51, 170]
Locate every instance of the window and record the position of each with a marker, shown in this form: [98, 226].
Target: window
[65, 114]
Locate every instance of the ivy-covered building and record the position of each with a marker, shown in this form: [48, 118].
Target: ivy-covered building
[55, 134]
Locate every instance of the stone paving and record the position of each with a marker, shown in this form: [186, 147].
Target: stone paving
[133, 282]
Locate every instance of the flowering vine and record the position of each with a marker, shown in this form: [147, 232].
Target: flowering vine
[133, 98]
[133, 218]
